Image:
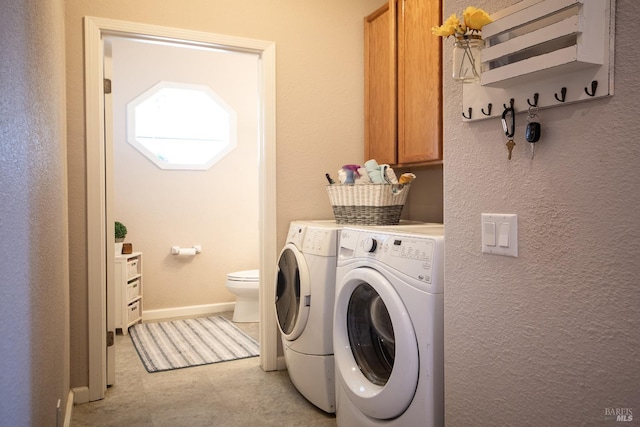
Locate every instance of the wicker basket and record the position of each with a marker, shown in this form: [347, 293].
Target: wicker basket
[368, 204]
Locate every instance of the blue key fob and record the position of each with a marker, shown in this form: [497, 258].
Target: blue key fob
[532, 133]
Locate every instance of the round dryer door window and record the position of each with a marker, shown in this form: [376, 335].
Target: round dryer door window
[293, 291]
[376, 352]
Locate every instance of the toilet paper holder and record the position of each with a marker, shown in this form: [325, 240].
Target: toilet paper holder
[194, 250]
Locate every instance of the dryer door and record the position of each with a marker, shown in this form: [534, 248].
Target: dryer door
[376, 352]
[293, 292]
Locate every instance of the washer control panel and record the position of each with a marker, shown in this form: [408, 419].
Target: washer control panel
[417, 256]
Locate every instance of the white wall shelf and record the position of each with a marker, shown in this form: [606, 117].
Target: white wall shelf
[544, 53]
[128, 290]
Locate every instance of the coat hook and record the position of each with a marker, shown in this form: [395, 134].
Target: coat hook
[563, 93]
[468, 118]
[594, 87]
[535, 100]
[511, 104]
[488, 113]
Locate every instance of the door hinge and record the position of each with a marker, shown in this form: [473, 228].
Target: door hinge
[107, 85]
[110, 338]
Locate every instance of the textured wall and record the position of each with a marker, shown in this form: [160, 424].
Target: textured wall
[34, 372]
[551, 337]
[319, 103]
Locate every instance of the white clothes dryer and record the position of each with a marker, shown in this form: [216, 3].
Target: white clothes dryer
[305, 294]
[389, 327]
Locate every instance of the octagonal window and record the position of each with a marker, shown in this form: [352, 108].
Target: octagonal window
[181, 126]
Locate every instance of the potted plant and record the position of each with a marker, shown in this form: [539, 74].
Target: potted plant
[120, 233]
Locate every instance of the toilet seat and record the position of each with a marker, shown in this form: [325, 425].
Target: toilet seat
[244, 276]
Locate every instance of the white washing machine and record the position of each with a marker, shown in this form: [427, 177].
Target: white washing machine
[389, 327]
[305, 294]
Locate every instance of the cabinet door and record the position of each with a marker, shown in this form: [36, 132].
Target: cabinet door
[380, 88]
[419, 81]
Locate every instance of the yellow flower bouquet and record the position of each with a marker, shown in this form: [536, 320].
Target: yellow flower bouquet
[468, 44]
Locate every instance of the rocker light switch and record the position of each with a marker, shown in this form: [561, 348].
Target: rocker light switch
[488, 233]
[504, 232]
[500, 234]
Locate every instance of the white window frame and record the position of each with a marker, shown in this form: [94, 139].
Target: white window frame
[232, 138]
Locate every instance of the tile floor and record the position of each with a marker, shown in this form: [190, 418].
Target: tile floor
[237, 393]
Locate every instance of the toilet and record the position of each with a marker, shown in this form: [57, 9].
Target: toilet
[245, 284]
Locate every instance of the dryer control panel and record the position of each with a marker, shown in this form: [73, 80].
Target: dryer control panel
[296, 235]
[320, 241]
[317, 237]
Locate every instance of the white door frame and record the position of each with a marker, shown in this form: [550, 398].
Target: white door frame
[100, 234]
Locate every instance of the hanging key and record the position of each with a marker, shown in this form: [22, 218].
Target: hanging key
[532, 132]
[509, 130]
[510, 145]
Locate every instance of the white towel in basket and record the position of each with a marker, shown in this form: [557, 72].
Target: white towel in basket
[389, 174]
[364, 177]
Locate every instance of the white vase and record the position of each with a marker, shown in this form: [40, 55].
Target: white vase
[118, 248]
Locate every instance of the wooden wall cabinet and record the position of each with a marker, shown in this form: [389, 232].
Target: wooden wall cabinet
[403, 83]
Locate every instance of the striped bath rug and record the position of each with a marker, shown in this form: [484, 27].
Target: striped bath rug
[164, 346]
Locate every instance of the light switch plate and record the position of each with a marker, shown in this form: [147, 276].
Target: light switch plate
[499, 234]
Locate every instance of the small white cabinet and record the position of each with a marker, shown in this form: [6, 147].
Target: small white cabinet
[128, 290]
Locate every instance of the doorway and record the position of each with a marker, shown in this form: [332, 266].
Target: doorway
[100, 159]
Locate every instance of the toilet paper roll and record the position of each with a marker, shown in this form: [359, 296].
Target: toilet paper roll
[186, 252]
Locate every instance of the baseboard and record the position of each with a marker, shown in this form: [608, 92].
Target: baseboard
[69, 410]
[80, 394]
[281, 363]
[194, 310]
